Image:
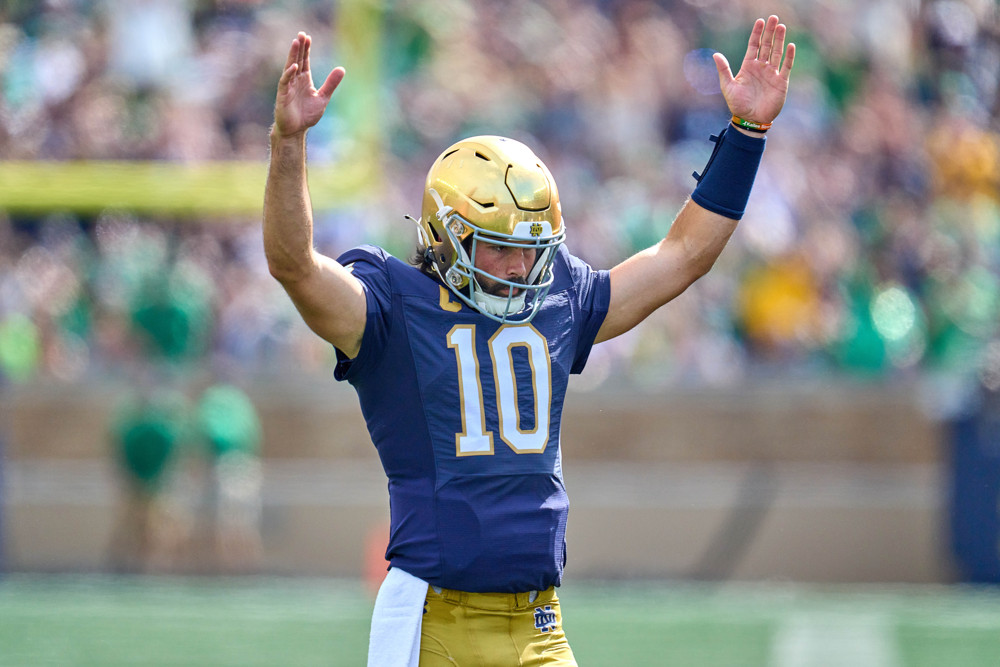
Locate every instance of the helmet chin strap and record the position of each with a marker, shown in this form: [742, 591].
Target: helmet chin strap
[498, 305]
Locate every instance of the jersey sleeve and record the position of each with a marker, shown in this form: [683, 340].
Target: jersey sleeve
[369, 265]
[592, 289]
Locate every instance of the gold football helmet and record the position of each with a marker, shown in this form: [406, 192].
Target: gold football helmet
[491, 190]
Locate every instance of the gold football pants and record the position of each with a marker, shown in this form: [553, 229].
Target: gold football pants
[493, 630]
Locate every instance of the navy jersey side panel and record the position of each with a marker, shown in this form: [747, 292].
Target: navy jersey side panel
[465, 414]
[385, 379]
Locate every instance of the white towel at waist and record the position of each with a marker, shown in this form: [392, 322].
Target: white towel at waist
[399, 611]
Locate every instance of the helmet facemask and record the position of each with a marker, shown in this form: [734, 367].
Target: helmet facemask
[464, 277]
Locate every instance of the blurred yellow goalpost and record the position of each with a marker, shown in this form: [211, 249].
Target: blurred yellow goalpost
[164, 188]
[218, 189]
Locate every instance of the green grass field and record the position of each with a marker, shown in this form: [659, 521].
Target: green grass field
[74, 620]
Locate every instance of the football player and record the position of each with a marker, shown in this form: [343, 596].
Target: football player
[461, 359]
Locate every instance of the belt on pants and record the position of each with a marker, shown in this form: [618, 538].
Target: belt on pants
[497, 601]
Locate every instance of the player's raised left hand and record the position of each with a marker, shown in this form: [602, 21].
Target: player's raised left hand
[758, 90]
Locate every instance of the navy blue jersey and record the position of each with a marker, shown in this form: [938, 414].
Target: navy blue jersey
[465, 414]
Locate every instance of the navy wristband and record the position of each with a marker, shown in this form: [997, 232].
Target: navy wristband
[724, 184]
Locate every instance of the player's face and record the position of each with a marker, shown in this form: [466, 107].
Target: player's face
[511, 263]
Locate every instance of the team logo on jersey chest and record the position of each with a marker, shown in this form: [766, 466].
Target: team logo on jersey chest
[545, 619]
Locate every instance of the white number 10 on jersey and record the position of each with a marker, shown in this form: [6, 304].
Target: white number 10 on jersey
[474, 439]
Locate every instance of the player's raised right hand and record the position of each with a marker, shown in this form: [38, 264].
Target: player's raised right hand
[299, 105]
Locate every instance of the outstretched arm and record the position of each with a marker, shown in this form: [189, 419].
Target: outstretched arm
[329, 298]
[654, 276]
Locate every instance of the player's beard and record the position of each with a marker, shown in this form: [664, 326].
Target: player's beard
[491, 296]
[494, 288]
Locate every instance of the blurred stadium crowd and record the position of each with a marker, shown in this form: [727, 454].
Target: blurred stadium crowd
[871, 246]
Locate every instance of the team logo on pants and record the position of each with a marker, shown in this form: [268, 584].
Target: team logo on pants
[545, 619]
